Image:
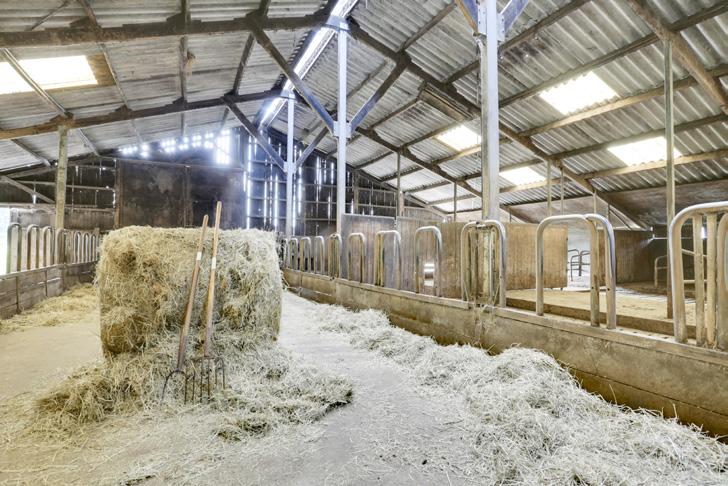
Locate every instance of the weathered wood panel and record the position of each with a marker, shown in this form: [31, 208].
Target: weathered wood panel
[369, 226]
[521, 264]
[22, 290]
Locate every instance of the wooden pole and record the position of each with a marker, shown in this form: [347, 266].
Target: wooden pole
[61, 174]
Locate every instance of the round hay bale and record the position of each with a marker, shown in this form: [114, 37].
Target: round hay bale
[144, 274]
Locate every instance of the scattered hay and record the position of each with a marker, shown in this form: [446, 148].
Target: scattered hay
[72, 306]
[144, 273]
[526, 420]
[143, 277]
[267, 387]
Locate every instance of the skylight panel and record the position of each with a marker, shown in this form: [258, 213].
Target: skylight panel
[10, 81]
[649, 150]
[460, 138]
[49, 73]
[578, 93]
[522, 175]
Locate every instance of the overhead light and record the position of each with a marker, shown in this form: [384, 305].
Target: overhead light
[49, 73]
[460, 138]
[522, 175]
[578, 93]
[650, 150]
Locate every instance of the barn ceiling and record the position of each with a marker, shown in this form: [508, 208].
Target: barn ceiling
[177, 71]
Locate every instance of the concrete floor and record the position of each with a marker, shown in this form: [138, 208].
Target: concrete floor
[38, 357]
[377, 439]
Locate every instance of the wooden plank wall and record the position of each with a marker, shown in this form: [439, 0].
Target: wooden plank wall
[521, 264]
[636, 252]
[22, 290]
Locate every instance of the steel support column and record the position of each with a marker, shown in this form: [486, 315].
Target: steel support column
[669, 159]
[290, 168]
[488, 33]
[549, 185]
[341, 132]
[400, 199]
[61, 173]
[454, 201]
[669, 134]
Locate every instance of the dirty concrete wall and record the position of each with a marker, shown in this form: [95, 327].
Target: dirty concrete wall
[167, 195]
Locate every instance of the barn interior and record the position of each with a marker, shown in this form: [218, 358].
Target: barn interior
[505, 264]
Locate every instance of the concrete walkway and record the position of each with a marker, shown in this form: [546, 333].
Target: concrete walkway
[380, 438]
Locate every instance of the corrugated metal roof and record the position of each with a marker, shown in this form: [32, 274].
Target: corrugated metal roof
[148, 72]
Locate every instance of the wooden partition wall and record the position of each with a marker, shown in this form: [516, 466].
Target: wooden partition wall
[520, 267]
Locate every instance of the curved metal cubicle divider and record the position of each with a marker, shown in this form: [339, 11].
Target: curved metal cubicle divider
[362, 243]
[380, 278]
[610, 266]
[13, 261]
[293, 261]
[34, 247]
[304, 254]
[593, 248]
[467, 282]
[420, 234]
[334, 247]
[711, 323]
[319, 255]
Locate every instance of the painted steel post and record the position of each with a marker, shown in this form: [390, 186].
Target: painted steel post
[290, 166]
[669, 156]
[400, 199]
[341, 131]
[488, 36]
[454, 201]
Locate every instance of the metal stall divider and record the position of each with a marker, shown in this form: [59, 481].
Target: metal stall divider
[293, 263]
[593, 247]
[32, 247]
[334, 252]
[710, 323]
[467, 280]
[610, 266]
[283, 252]
[86, 247]
[14, 252]
[49, 245]
[362, 242]
[380, 276]
[61, 246]
[77, 246]
[304, 254]
[319, 255]
[420, 234]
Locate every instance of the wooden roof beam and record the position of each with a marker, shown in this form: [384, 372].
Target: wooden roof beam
[683, 53]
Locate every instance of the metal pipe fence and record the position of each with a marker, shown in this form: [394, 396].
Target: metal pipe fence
[380, 275]
[33, 247]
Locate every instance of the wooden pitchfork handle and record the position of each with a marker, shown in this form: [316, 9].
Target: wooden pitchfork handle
[211, 287]
[182, 352]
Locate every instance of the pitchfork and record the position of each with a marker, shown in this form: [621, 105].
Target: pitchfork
[211, 366]
[182, 368]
